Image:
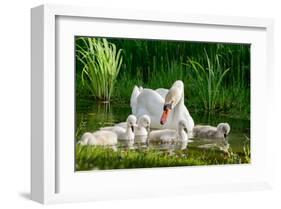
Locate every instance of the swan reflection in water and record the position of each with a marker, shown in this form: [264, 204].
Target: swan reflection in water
[217, 144]
[142, 143]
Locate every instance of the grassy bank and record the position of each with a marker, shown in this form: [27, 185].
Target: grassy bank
[91, 157]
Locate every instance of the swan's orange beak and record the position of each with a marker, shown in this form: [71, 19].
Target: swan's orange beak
[164, 116]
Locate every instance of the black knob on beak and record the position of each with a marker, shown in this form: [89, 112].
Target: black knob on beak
[167, 106]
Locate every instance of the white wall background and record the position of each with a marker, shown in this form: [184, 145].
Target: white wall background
[15, 103]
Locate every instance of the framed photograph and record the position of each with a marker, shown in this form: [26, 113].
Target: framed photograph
[134, 104]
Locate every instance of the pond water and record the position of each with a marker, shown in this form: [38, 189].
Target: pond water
[90, 116]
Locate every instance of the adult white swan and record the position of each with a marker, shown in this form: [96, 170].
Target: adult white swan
[164, 113]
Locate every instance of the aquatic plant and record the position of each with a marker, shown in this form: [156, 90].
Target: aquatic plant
[101, 64]
[79, 127]
[247, 150]
[95, 157]
[208, 78]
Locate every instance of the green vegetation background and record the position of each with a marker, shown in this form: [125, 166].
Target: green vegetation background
[216, 75]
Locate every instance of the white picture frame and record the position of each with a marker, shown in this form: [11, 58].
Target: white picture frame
[52, 175]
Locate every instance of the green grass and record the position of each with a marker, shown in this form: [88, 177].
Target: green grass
[247, 150]
[101, 63]
[101, 158]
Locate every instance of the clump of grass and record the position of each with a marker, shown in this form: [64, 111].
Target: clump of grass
[247, 150]
[209, 78]
[79, 128]
[94, 157]
[101, 64]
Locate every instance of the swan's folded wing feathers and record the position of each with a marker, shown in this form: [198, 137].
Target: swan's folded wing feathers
[117, 129]
[107, 128]
[86, 137]
[104, 138]
[133, 101]
[203, 131]
[122, 124]
[162, 92]
[162, 135]
[168, 135]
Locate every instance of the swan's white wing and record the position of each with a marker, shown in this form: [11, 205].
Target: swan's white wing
[203, 128]
[86, 137]
[107, 128]
[151, 103]
[105, 138]
[117, 129]
[168, 135]
[154, 135]
[162, 135]
[163, 92]
[134, 98]
[122, 124]
[190, 122]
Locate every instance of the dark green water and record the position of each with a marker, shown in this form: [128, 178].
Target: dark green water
[90, 116]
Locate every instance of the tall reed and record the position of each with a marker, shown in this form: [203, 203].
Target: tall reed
[101, 64]
[208, 78]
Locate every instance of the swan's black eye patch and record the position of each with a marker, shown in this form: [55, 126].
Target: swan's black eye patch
[167, 106]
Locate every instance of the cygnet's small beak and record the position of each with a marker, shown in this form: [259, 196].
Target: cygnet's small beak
[185, 129]
[132, 127]
[225, 135]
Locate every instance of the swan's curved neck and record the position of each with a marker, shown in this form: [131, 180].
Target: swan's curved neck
[178, 108]
[182, 134]
[129, 130]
